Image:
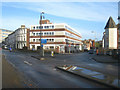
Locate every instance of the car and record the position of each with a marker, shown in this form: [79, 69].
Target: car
[91, 51]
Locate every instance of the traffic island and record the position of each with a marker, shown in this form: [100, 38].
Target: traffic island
[98, 77]
[39, 57]
[43, 57]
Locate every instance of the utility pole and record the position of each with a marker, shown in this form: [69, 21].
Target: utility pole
[41, 48]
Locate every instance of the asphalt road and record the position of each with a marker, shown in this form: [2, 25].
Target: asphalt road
[42, 73]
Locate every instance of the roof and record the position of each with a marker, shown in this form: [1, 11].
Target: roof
[118, 26]
[110, 23]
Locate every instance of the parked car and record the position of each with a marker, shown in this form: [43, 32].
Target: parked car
[91, 51]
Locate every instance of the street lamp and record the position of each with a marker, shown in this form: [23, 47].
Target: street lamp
[41, 49]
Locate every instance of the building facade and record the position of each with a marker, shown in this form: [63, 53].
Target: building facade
[110, 36]
[3, 34]
[118, 28]
[18, 39]
[60, 37]
[88, 44]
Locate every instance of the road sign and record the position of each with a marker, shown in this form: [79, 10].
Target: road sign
[44, 41]
[41, 45]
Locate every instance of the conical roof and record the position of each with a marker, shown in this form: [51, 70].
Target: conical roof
[110, 23]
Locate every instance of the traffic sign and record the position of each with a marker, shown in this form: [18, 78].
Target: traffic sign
[41, 45]
[44, 41]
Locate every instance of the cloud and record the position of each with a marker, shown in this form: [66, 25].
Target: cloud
[98, 12]
[14, 23]
[87, 34]
[78, 10]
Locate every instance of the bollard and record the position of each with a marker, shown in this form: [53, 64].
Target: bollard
[52, 54]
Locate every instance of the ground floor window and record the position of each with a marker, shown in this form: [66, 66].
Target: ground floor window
[51, 47]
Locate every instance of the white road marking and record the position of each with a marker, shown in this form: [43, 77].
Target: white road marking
[26, 62]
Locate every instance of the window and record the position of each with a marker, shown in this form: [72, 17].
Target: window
[51, 47]
[37, 40]
[37, 34]
[33, 34]
[52, 33]
[33, 27]
[52, 26]
[45, 33]
[45, 27]
[52, 40]
[37, 27]
[33, 40]
[40, 27]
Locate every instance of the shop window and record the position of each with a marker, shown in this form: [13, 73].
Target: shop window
[51, 47]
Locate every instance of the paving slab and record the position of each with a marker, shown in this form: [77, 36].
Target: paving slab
[105, 59]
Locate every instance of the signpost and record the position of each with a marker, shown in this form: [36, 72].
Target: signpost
[69, 48]
[43, 41]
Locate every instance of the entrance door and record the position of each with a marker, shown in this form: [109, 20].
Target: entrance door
[33, 47]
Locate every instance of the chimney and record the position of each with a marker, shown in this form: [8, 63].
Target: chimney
[22, 26]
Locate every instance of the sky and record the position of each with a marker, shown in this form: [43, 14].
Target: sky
[85, 17]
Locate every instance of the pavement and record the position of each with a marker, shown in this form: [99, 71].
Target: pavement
[10, 77]
[43, 74]
[105, 59]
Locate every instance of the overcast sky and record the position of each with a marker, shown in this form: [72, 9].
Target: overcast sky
[83, 16]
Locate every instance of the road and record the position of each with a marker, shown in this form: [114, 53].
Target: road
[42, 73]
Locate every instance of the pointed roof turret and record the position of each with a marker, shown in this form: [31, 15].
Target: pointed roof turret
[110, 23]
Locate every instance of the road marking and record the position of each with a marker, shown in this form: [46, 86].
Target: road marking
[26, 62]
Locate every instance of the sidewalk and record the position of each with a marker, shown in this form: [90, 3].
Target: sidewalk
[105, 59]
[10, 77]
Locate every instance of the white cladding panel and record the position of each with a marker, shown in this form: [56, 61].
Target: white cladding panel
[59, 33]
[113, 38]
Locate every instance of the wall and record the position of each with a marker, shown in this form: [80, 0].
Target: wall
[113, 38]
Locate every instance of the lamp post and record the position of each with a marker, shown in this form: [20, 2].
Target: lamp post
[41, 49]
[94, 36]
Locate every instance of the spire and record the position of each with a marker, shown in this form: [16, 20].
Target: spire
[110, 23]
